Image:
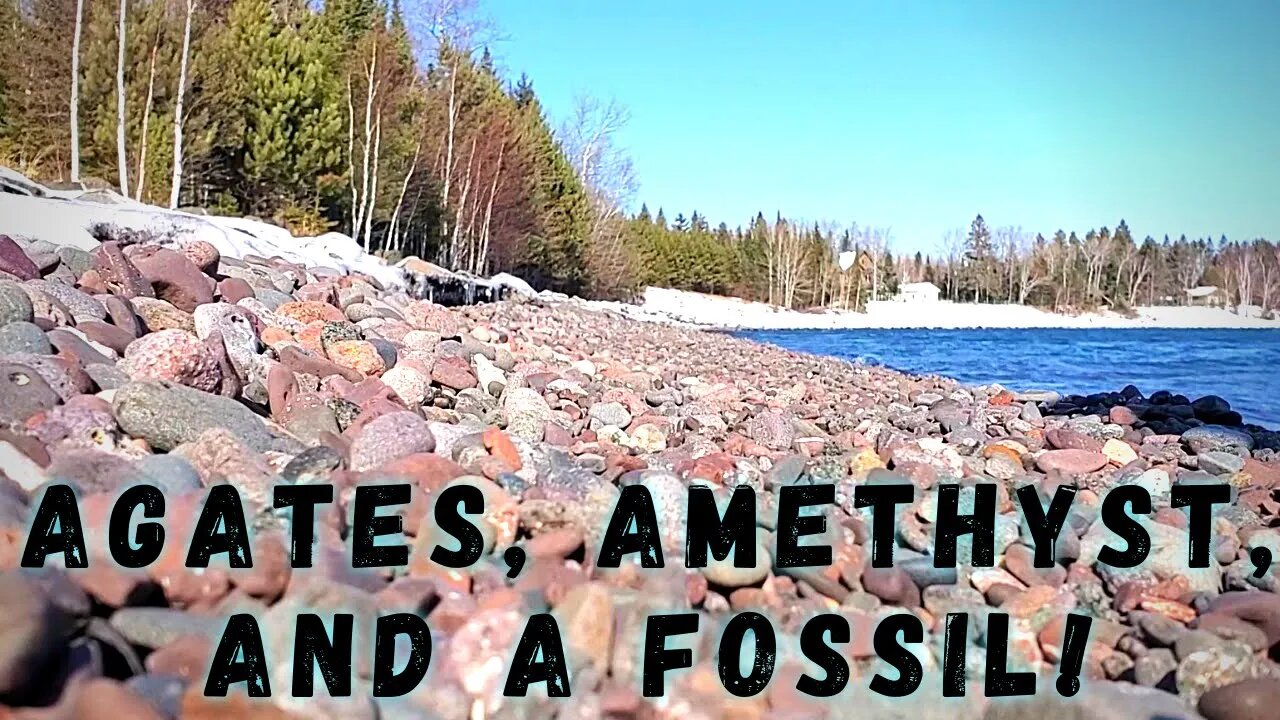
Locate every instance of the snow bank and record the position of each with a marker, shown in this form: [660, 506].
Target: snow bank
[666, 305]
[66, 218]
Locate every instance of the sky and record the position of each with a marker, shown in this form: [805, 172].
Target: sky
[916, 116]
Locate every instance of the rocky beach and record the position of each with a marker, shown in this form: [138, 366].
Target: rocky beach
[165, 361]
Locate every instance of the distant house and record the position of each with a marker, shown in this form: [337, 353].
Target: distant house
[1206, 296]
[920, 292]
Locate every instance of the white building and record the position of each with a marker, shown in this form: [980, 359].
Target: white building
[921, 292]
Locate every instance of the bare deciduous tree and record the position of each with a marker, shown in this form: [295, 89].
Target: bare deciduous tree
[121, 101]
[175, 187]
[75, 92]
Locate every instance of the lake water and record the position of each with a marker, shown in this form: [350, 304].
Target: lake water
[1242, 366]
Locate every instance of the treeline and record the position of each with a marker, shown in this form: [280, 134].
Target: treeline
[825, 265]
[386, 122]
[1101, 268]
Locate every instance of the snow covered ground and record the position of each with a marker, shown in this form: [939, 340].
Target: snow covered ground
[66, 218]
[662, 304]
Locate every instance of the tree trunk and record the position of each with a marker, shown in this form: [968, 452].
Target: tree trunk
[373, 185]
[448, 156]
[351, 156]
[175, 187]
[371, 91]
[482, 261]
[121, 158]
[394, 241]
[75, 94]
[462, 203]
[146, 121]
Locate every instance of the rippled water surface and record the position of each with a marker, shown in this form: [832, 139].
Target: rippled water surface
[1242, 366]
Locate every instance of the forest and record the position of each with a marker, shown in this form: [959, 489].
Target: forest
[392, 123]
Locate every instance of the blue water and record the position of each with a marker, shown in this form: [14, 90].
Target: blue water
[1242, 366]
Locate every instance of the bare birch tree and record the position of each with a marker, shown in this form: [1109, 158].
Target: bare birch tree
[146, 119]
[121, 154]
[75, 93]
[175, 187]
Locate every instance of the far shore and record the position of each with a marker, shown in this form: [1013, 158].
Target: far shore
[727, 313]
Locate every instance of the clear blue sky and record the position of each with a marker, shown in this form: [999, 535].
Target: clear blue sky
[917, 115]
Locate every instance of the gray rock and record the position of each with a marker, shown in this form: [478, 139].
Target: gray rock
[526, 413]
[171, 473]
[1220, 463]
[23, 393]
[167, 415]
[82, 305]
[15, 303]
[152, 627]
[24, 337]
[609, 413]
[391, 436]
[1208, 438]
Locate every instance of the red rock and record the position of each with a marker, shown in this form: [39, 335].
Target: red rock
[358, 355]
[1262, 475]
[1071, 461]
[1252, 699]
[269, 576]
[1064, 439]
[195, 706]
[305, 311]
[187, 657]
[1121, 415]
[272, 336]
[1170, 609]
[559, 543]
[102, 699]
[202, 254]
[501, 447]
[299, 361]
[119, 274]
[1003, 398]
[15, 262]
[117, 339]
[309, 336]
[174, 277]
[452, 372]
[233, 290]
[173, 355]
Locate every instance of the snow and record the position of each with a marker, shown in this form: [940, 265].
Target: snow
[66, 218]
[691, 308]
[515, 284]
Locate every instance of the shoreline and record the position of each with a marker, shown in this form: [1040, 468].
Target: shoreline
[694, 309]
